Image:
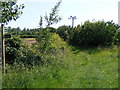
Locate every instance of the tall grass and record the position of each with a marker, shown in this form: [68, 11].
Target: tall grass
[75, 69]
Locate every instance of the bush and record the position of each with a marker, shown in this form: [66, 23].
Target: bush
[94, 34]
[7, 35]
[51, 29]
[17, 52]
[117, 39]
[26, 56]
[12, 46]
[43, 40]
[64, 32]
[74, 36]
[50, 42]
[57, 42]
[27, 36]
[49, 45]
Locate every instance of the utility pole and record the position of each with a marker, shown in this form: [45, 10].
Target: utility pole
[73, 18]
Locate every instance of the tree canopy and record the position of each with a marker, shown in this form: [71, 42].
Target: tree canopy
[9, 10]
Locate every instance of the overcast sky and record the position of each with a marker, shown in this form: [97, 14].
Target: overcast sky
[84, 10]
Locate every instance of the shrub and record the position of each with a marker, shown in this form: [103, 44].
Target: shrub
[64, 32]
[49, 45]
[74, 36]
[56, 42]
[94, 34]
[50, 42]
[12, 46]
[7, 35]
[117, 39]
[27, 36]
[17, 52]
[43, 40]
[51, 29]
[26, 56]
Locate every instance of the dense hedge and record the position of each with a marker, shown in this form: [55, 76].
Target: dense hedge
[64, 32]
[28, 36]
[12, 45]
[17, 52]
[7, 35]
[90, 34]
[49, 46]
[98, 33]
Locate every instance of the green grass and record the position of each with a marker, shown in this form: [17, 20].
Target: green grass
[88, 68]
[97, 70]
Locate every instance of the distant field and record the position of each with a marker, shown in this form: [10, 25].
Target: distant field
[91, 68]
[29, 41]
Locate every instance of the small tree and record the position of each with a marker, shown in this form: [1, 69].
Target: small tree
[53, 17]
[44, 37]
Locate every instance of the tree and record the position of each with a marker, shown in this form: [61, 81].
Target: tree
[9, 10]
[53, 17]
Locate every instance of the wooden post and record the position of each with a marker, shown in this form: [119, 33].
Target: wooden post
[3, 47]
[118, 47]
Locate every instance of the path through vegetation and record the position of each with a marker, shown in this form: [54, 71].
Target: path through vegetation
[93, 68]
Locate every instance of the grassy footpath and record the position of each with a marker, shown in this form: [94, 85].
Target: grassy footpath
[93, 68]
[97, 70]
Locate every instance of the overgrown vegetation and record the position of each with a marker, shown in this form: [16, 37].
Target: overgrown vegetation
[90, 34]
[10, 11]
[64, 57]
[85, 56]
[92, 68]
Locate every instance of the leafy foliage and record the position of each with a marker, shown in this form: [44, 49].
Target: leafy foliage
[81, 70]
[90, 34]
[53, 17]
[17, 52]
[117, 40]
[51, 29]
[64, 32]
[13, 45]
[43, 40]
[98, 33]
[27, 36]
[41, 21]
[50, 45]
[10, 11]
[49, 42]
